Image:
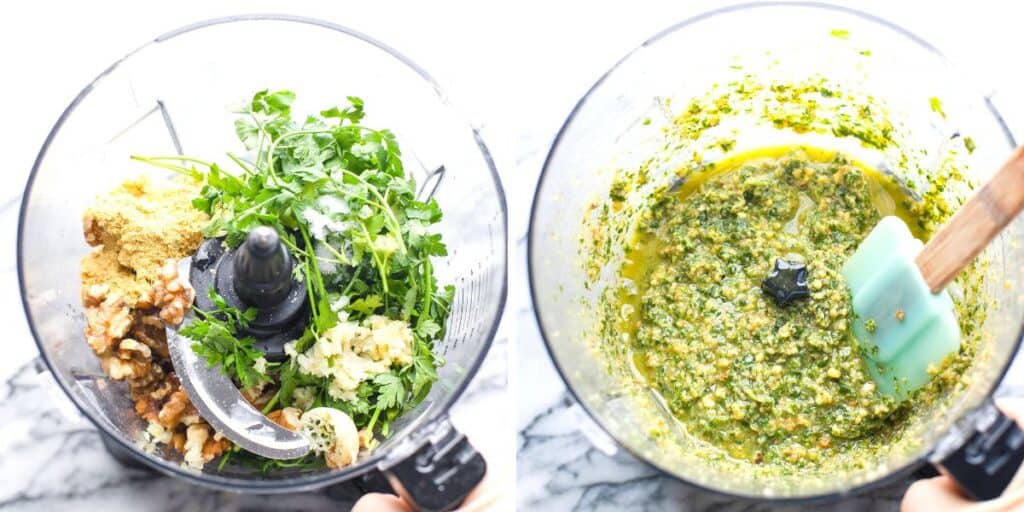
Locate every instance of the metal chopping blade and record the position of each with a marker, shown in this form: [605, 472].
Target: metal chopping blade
[221, 404]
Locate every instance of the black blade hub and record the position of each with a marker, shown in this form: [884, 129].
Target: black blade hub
[257, 274]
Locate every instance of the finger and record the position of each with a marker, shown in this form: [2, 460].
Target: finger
[494, 439]
[1012, 407]
[933, 494]
[378, 502]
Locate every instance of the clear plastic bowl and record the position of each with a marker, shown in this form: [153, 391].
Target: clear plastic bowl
[610, 127]
[175, 95]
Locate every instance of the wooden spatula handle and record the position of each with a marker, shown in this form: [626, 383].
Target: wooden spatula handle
[975, 225]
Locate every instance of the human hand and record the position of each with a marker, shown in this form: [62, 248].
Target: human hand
[492, 437]
[942, 493]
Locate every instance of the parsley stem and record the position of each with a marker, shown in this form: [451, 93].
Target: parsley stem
[379, 264]
[252, 208]
[294, 248]
[351, 282]
[309, 291]
[341, 258]
[395, 227]
[150, 159]
[427, 292]
[263, 138]
[192, 173]
[224, 460]
[273, 402]
[373, 419]
[321, 289]
[239, 162]
[275, 142]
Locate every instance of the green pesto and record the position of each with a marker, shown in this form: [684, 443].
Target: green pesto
[774, 395]
[767, 384]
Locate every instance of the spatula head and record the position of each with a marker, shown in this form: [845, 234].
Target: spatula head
[903, 328]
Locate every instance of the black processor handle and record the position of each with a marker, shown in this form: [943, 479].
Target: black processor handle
[437, 476]
[989, 455]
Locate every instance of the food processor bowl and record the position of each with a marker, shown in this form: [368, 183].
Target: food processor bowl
[175, 95]
[624, 118]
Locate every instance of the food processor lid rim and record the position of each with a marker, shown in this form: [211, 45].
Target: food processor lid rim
[809, 499]
[288, 484]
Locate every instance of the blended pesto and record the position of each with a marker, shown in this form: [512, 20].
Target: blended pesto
[726, 388]
[767, 384]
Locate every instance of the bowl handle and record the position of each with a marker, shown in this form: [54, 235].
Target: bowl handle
[441, 469]
[983, 454]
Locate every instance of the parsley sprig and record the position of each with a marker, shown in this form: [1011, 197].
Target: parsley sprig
[216, 340]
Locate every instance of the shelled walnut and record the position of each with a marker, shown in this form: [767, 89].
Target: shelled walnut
[107, 318]
[132, 291]
[171, 294]
[289, 418]
[132, 346]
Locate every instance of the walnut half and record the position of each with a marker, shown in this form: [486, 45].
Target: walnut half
[171, 294]
[107, 318]
[131, 344]
[289, 418]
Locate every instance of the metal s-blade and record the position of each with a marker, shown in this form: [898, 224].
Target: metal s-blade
[222, 405]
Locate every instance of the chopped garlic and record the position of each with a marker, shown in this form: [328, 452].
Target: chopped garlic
[260, 364]
[158, 433]
[350, 353]
[195, 438]
[151, 438]
[303, 397]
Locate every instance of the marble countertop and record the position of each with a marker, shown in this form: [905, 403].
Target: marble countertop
[515, 69]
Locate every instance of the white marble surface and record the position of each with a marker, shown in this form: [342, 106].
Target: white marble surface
[515, 69]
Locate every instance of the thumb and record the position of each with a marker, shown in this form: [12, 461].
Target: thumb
[378, 502]
[931, 494]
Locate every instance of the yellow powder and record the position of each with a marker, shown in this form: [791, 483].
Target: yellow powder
[101, 267]
[137, 227]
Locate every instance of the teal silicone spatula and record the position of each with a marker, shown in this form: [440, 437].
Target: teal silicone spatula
[905, 317]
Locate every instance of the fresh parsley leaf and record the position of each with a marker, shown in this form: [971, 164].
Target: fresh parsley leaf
[239, 318]
[366, 305]
[216, 342]
[390, 390]
[427, 329]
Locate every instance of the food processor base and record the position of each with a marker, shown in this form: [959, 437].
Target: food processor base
[926, 471]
